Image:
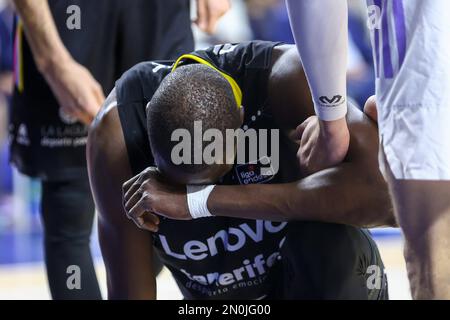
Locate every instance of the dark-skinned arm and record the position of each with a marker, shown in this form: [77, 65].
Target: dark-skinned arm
[353, 192]
[126, 250]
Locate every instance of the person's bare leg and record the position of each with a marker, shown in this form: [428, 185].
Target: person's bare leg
[423, 212]
[422, 209]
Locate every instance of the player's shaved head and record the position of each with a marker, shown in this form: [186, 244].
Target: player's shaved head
[191, 93]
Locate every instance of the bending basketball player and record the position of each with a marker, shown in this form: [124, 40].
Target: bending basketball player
[241, 244]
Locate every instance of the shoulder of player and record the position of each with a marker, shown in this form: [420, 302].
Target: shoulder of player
[140, 81]
[105, 116]
[107, 159]
[286, 78]
[289, 97]
[142, 67]
[284, 56]
[106, 144]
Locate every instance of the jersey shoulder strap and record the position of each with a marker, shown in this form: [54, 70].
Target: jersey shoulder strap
[248, 64]
[236, 58]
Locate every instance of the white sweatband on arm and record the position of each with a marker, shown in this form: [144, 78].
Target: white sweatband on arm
[320, 31]
[197, 198]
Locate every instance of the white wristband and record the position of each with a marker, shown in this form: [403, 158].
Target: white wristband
[197, 198]
[328, 110]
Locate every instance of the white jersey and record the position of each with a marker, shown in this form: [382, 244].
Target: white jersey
[411, 48]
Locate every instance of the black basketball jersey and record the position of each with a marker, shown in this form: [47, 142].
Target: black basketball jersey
[217, 257]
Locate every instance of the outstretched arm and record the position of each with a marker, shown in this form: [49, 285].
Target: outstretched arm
[352, 193]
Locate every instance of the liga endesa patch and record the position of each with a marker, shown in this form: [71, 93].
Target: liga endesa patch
[249, 173]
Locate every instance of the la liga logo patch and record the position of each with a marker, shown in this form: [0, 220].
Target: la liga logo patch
[250, 173]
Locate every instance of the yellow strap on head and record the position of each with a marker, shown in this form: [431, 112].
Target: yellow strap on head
[234, 86]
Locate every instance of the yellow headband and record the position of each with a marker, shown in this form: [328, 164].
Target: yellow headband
[234, 86]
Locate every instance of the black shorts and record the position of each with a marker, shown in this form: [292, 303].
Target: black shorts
[329, 261]
[114, 36]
